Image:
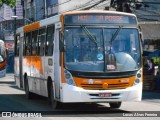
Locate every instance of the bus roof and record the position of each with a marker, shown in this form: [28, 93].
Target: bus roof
[98, 11]
[56, 18]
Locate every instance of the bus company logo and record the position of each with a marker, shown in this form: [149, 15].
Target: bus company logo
[105, 85]
[6, 114]
[90, 81]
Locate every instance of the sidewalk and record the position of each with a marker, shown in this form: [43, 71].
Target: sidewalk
[7, 78]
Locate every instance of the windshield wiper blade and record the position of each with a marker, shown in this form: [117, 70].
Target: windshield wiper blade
[89, 34]
[114, 36]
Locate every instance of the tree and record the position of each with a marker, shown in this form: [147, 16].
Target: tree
[11, 3]
[121, 5]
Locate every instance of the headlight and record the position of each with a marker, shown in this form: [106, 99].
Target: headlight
[137, 81]
[138, 77]
[69, 78]
[1, 59]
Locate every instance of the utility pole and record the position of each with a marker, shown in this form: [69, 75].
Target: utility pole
[45, 9]
[14, 22]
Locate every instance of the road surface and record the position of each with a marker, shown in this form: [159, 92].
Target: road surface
[12, 99]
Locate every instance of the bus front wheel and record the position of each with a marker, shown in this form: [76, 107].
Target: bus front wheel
[115, 104]
[54, 103]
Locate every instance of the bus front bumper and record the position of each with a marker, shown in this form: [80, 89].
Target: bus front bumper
[71, 94]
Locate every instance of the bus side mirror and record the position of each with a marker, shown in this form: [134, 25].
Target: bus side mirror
[61, 42]
[141, 37]
[142, 40]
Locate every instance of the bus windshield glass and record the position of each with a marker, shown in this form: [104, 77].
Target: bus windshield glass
[90, 51]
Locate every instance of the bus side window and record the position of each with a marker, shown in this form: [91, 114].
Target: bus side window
[49, 41]
[28, 44]
[34, 42]
[41, 41]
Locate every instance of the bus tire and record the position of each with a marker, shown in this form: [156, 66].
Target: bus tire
[28, 94]
[115, 104]
[54, 103]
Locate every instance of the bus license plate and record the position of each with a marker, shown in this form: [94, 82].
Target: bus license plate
[105, 94]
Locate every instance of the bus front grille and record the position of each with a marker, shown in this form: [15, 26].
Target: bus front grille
[100, 86]
[91, 86]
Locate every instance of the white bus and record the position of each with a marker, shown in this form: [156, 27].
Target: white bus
[81, 56]
[3, 59]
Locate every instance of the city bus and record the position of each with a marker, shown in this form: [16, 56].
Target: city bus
[3, 59]
[81, 57]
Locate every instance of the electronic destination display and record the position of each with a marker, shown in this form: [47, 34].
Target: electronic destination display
[99, 19]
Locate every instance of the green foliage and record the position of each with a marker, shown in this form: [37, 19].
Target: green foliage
[11, 3]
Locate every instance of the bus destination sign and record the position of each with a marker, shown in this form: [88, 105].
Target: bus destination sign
[99, 19]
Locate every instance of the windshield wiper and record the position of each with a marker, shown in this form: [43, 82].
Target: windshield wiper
[114, 36]
[89, 34]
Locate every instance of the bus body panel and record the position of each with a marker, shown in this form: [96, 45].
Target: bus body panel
[37, 74]
[18, 59]
[40, 69]
[57, 72]
[3, 59]
[76, 94]
[16, 71]
[34, 68]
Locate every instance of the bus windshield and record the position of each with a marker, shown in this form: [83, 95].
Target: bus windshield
[112, 52]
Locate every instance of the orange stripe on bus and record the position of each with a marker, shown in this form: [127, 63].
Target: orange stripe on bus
[62, 21]
[32, 26]
[34, 62]
[62, 68]
[117, 83]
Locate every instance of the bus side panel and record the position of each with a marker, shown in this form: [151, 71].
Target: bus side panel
[3, 58]
[57, 73]
[34, 67]
[21, 61]
[42, 82]
[18, 67]
[16, 71]
[27, 71]
[38, 69]
[48, 72]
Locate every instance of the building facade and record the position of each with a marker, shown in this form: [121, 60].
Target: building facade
[8, 24]
[35, 10]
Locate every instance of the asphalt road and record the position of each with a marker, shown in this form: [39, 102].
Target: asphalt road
[12, 99]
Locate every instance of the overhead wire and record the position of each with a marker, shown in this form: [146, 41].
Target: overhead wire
[87, 5]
